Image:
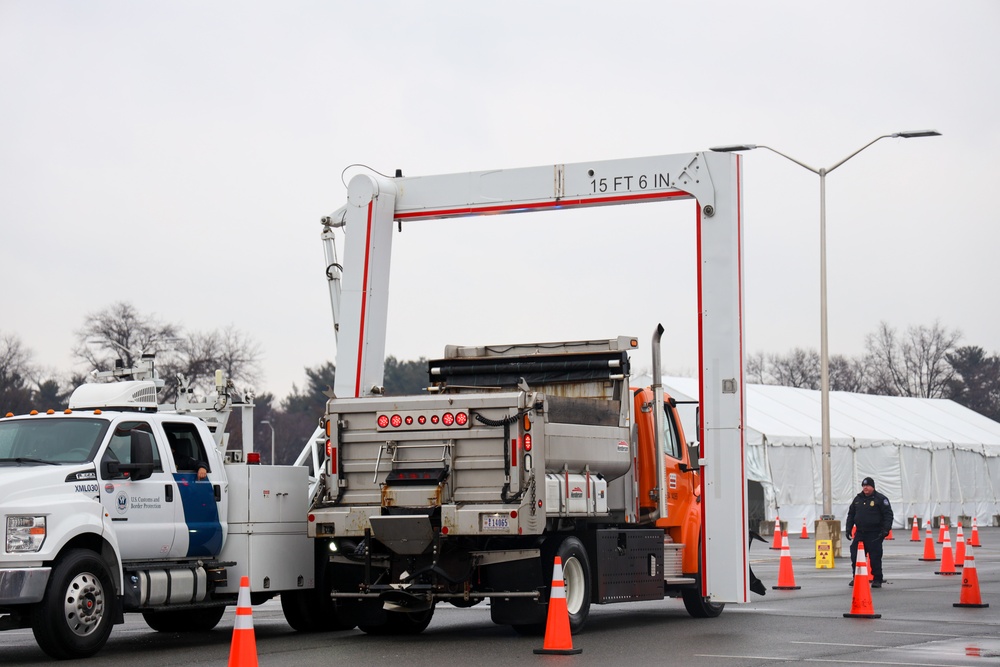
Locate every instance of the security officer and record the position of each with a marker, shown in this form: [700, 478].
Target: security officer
[871, 514]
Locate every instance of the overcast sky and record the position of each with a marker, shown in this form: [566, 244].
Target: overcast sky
[179, 156]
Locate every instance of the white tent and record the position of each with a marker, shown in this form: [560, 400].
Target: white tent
[931, 457]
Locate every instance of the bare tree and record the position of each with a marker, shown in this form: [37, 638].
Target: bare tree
[756, 368]
[120, 331]
[199, 355]
[912, 365]
[15, 368]
[15, 361]
[799, 368]
[848, 374]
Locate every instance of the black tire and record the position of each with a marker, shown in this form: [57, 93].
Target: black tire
[186, 620]
[401, 623]
[576, 578]
[700, 607]
[74, 618]
[313, 611]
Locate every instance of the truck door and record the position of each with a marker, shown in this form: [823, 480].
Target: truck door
[200, 531]
[683, 489]
[680, 484]
[142, 512]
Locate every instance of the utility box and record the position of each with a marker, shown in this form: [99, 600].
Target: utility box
[829, 529]
[909, 522]
[936, 522]
[965, 520]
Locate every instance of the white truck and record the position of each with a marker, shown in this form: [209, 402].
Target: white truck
[100, 519]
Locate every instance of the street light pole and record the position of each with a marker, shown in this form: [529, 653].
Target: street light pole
[824, 353]
[270, 426]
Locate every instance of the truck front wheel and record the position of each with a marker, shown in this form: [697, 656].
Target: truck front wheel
[74, 618]
[700, 607]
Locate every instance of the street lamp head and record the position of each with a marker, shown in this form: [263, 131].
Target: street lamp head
[913, 134]
[733, 149]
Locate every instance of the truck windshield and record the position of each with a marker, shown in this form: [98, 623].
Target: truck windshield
[52, 441]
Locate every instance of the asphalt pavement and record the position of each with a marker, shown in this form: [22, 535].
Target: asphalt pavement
[919, 626]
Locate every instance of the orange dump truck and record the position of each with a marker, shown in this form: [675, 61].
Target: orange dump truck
[516, 454]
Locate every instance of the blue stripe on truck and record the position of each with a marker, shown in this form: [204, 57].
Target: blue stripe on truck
[200, 514]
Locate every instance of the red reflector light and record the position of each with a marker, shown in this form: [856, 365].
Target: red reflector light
[409, 420]
[396, 421]
[444, 530]
[311, 518]
[329, 448]
[434, 419]
[527, 442]
[421, 420]
[461, 419]
[383, 421]
[447, 419]
[333, 460]
[513, 514]
[253, 458]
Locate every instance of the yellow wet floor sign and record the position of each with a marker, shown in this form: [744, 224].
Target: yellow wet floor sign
[824, 554]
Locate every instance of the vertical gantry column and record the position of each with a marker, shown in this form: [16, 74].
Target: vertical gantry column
[720, 305]
[371, 204]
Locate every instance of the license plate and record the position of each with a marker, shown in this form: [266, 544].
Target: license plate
[495, 522]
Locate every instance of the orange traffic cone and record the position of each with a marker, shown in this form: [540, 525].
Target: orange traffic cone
[243, 651]
[959, 547]
[889, 536]
[974, 539]
[915, 534]
[805, 532]
[929, 553]
[777, 534]
[942, 529]
[868, 562]
[558, 640]
[970, 585]
[861, 600]
[947, 559]
[786, 578]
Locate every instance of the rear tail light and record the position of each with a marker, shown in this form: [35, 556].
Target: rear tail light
[417, 419]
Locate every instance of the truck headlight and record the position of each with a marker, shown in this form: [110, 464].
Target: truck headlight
[25, 534]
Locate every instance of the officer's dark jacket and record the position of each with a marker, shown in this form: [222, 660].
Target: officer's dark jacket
[871, 514]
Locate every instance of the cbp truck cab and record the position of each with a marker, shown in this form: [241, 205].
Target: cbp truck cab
[103, 513]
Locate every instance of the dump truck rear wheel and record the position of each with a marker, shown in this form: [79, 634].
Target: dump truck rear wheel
[576, 578]
[401, 623]
[312, 611]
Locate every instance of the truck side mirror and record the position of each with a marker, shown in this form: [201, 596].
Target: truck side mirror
[141, 451]
[140, 465]
[693, 454]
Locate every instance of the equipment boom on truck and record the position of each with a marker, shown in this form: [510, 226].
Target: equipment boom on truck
[410, 520]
